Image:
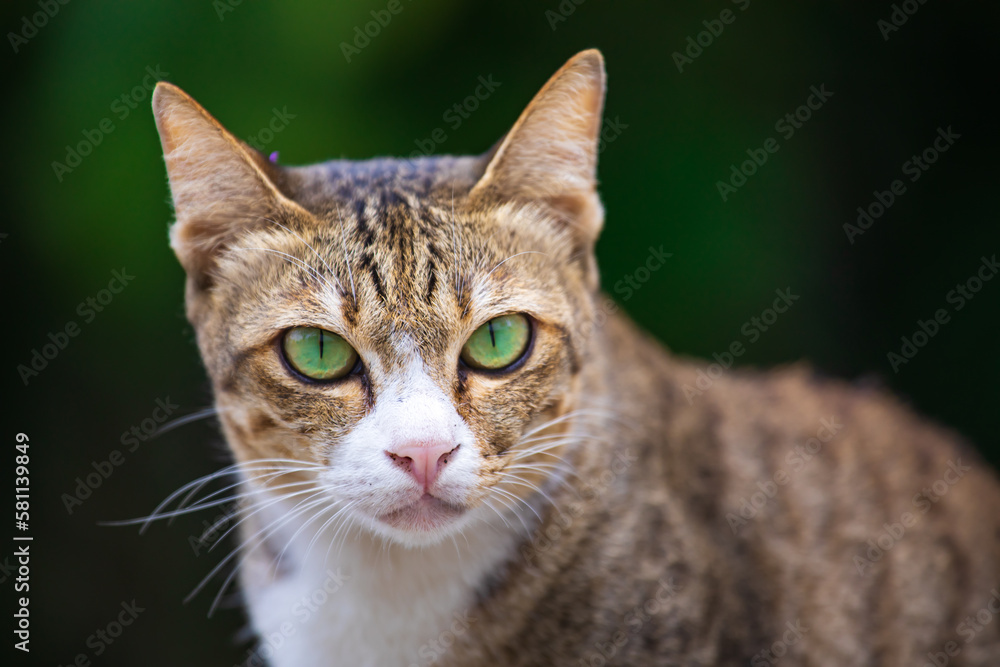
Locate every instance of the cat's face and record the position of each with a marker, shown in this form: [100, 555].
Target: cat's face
[405, 337]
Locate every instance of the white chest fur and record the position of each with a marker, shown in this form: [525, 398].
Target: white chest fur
[368, 602]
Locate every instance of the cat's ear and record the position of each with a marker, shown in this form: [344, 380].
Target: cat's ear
[550, 155]
[220, 185]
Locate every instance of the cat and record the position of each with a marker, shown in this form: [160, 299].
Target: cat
[452, 449]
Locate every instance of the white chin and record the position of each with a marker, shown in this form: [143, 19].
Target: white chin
[426, 521]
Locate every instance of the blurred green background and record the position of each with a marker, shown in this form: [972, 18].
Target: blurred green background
[679, 133]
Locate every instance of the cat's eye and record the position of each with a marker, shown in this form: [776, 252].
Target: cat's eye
[318, 354]
[499, 343]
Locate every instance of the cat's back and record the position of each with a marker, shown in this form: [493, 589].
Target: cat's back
[839, 523]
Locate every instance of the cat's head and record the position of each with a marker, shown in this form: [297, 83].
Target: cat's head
[407, 336]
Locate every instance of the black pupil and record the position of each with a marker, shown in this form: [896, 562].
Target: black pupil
[321, 337]
[493, 338]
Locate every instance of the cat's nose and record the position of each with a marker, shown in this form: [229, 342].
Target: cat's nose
[423, 460]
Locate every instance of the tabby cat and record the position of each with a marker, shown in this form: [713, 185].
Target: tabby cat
[452, 449]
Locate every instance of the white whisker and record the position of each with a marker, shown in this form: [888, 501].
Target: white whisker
[280, 521]
[296, 261]
[347, 257]
[308, 245]
[184, 419]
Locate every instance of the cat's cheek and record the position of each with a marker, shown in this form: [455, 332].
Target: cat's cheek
[272, 418]
[523, 415]
[305, 406]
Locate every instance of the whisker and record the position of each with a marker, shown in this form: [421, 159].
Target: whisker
[323, 528]
[546, 451]
[499, 264]
[294, 513]
[551, 471]
[308, 245]
[197, 484]
[229, 557]
[457, 551]
[296, 261]
[218, 524]
[347, 257]
[348, 524]
[260, 506]
[520, 481]
[268, 473]
[184, 419]
[291, 540]
[511, 509]
[572, 414]
[487, 503]
[573, 435]
[197, 507]
[517, 499]
[284, 470]
[277, 523]
[542, 443]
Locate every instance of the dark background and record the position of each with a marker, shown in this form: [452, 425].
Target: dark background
[783, 229]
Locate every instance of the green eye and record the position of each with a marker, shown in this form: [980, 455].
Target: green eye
[498, 343]
[318, 354]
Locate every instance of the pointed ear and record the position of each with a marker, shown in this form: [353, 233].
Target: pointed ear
[220, 186]
[550, 155]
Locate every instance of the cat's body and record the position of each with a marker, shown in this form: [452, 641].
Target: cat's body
[650, 524]
[592, 510]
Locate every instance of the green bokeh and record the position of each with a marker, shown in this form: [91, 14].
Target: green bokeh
[678, 134]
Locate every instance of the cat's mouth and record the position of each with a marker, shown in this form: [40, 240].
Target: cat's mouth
[426, 514]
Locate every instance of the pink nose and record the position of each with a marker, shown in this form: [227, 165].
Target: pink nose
[423, 460]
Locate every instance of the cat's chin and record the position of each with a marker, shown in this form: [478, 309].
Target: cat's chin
[427, 517]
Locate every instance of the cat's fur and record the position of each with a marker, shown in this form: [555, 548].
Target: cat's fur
[631, 532]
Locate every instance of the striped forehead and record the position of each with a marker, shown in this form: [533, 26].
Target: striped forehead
[400, 270]
[395, 240]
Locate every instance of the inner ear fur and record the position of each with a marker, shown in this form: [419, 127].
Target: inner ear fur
[220, 185]
[550, 154]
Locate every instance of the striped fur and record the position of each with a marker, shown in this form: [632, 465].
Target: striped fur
[777, 518]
